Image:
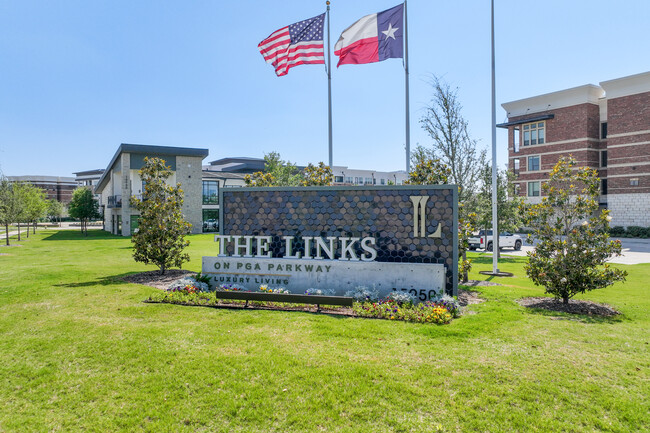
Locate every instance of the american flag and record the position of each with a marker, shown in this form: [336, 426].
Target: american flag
[297, 44]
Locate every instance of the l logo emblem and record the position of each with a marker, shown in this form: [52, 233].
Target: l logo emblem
[420, 217]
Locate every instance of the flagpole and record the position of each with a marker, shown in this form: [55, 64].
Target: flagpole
[329, 85]
[495, 226]
[406, 80]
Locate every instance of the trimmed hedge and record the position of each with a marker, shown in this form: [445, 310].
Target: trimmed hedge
[630, 232]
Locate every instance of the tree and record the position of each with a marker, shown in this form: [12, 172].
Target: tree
[54, 209]
[83, 207]
[276, 173]
[35, 206]
[572, 235]
[9, 205]
[160, 236]
[452, 144]
[317, 175]
[509, 204]
[427, 170]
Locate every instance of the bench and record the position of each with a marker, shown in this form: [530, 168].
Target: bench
[317, 300]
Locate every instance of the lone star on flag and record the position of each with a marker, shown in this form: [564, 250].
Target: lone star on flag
[390, 32]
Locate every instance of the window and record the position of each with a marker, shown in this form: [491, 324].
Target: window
[517, 136]
[533, 189]
[533, 163]
[516, 166]
[382, 181]
[348, 179]
[338, 179]
[210, 220]
[634, 182]
[533, 133]
[603, 158]
[603, 130]
[358, 180]
[603, 186]
[517, 189]
[210, 192]
[368, 181]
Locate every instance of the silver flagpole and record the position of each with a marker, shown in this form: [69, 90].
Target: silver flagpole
[406, 80]
[495, 226]
[329, 84]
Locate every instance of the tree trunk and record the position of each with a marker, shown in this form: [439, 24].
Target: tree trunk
[28, 229]
[465, 276]
[18, 230]
[7, 232]
[34, 227]
[565, 301]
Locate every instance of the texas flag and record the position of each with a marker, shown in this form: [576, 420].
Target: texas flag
[373, 38]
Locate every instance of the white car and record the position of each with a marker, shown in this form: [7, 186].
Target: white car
[484, 241]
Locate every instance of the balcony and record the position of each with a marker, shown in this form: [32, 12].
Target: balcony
[114, 201]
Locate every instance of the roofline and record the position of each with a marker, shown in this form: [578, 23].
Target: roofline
[522, 121]
[144, 148]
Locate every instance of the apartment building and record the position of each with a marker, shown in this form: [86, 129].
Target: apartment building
[55, 187]
[605, 127]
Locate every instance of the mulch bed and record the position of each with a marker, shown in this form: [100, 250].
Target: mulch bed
[154, 279]
[586, 308]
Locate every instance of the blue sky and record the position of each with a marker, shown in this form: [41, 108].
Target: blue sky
[80, 77]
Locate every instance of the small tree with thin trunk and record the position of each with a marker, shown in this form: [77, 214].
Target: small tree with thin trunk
[9, 205]
[572, 234]
[54, 210]
[451, 142]
[83, 207]
[35, 206]
[160, 236]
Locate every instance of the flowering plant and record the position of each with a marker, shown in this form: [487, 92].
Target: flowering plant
[319, 292]
[363, 294]
[266, 289]
[189, 285]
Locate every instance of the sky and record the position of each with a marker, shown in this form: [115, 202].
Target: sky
[77, 78]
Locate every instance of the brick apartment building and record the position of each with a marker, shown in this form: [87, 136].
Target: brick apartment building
[55, 187]
[605, 127]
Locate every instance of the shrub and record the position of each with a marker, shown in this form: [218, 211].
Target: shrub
[573, 236]
[637, 232]
[617, 231]
[402, 297]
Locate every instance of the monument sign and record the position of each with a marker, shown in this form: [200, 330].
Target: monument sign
[395, 238]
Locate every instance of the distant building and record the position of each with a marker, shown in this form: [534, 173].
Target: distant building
[121, 180]
[350, 176]
[88, 178]
[55, 187]
[605, 127]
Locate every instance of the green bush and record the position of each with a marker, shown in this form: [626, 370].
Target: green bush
[617, 231]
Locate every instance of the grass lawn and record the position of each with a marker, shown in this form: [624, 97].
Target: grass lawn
[79, 351]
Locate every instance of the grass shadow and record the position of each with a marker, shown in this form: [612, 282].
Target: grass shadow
[582, 318]
[74, 235]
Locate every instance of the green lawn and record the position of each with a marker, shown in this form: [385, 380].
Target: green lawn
[80, 351]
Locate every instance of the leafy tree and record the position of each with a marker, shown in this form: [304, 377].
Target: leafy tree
[276, 173]
[160, 236]
[260, 178]
[54, 209]
[572, 234]
[9, 205]
[35, 206]
[427, 170]
[509, 204]
[320, 175]
[83, 207]
[452, 144]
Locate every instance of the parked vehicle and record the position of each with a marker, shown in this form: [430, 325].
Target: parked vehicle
[483, 240]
